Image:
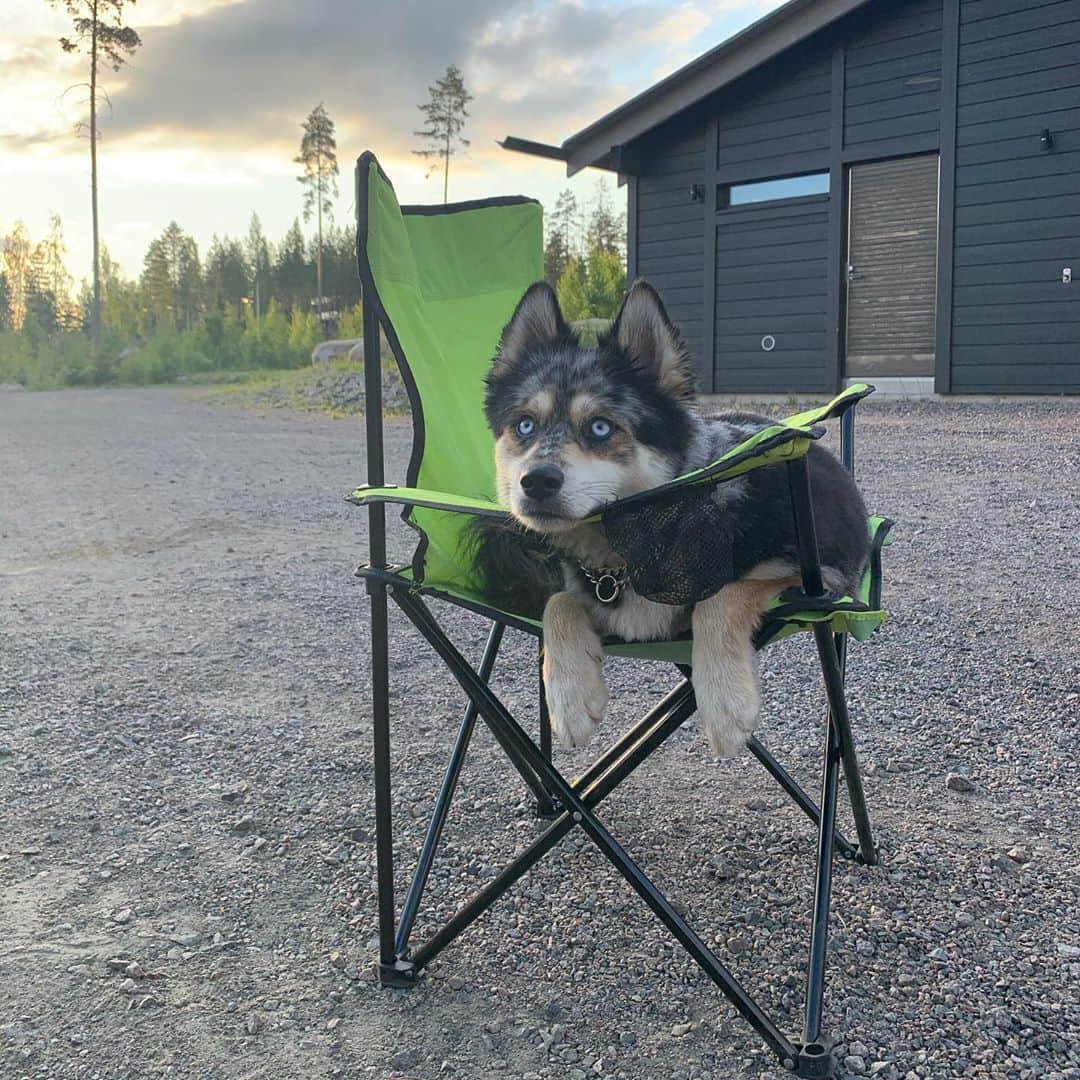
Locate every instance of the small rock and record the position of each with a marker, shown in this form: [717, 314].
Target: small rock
[1019, 854]
[958, 782]
[234, 793]
[855, 1064]
[333, 1023]
[404, 1060]
[679, 1030]
[186, 938]
[736, 945]
[337, 960]
[122, 916]
[254, 1023]
[904, 979]
[117, 963]
[134, 970]
[244, 824]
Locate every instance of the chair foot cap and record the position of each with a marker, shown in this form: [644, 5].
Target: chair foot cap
[400, 975]
[815, 1060]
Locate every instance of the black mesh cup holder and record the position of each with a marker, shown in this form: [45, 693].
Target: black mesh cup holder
[677, 547]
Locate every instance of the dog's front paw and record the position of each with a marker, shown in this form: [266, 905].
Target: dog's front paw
[728, 702]
[576, 696]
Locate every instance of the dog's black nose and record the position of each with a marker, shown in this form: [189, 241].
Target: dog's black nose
[542, 481]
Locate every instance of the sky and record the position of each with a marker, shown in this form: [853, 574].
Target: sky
[201, 126]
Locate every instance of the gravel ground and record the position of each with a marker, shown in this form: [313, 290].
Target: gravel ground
[185, 772]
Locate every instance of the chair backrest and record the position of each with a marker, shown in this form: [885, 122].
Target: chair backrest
[445, 280]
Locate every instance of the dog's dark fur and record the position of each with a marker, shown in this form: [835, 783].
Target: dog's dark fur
[638, 384]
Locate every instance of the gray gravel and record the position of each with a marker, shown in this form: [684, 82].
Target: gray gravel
[185, 811]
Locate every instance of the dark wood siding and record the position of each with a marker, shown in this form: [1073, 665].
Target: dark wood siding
[892, 73]
[775, 122]
[1016, 326]
[883, 83]
[671, 225]
[772, 281]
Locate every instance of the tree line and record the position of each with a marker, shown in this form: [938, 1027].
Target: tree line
[585, 255]
[246, 302]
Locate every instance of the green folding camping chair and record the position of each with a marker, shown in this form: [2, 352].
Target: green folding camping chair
[440, 282]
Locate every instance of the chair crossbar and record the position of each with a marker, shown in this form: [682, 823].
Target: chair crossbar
[650, 732]
[517, 744]
[442, 802]
[798, 795]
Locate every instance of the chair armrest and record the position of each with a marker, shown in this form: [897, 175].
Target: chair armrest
[839, 405]
[786, 439]
[782, 441]
[433, 500]
[777, 442]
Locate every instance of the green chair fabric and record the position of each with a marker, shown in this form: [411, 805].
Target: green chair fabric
[445, 281]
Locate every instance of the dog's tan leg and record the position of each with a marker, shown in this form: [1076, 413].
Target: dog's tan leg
[573, 680]
[725, 664]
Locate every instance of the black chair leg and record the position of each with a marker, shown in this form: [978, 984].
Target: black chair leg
[831, 652]
[390, 971]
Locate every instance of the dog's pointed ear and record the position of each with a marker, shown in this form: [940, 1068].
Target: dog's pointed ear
[644, 332]
[537, 320]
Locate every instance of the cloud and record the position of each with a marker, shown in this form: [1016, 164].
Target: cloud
[246, 74]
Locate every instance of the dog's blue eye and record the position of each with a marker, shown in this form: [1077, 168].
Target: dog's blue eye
[600, 428]
[526, 426]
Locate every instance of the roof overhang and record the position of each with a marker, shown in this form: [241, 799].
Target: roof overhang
[600, 143]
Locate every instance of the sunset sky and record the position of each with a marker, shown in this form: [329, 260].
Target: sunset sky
[206, 118]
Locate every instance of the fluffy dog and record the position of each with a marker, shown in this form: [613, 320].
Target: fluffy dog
[578, 427]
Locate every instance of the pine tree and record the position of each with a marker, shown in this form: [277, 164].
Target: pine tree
[227, 275]
[172, 279]
[18, 270]
[5, 304]
[571, 291]
[606, 230]
[291, 270]
[318, 155]
[258, 256]
[445, 113]
[98, 31]
[54, 277]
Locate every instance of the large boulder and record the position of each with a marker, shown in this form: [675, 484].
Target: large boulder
[326, 351]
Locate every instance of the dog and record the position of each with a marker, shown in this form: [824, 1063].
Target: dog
[578, 427]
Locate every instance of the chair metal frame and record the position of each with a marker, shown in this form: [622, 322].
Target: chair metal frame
[570, 804]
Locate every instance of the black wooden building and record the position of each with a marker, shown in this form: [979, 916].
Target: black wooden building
[864, 189]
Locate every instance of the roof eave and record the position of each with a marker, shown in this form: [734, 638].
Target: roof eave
[758, 43]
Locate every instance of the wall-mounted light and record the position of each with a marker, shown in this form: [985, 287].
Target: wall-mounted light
[697, 192]
[1047, 139]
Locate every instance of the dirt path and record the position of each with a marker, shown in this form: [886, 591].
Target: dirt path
[185, 817]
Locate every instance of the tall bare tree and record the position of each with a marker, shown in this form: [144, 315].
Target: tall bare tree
[318, 155]
[446, 114]
[99, 31]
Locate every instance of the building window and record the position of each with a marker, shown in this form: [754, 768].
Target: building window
[784, 187]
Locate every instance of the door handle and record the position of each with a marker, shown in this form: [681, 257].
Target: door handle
[850, 271]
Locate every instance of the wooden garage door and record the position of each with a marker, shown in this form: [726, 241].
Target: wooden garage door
[892, 267]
